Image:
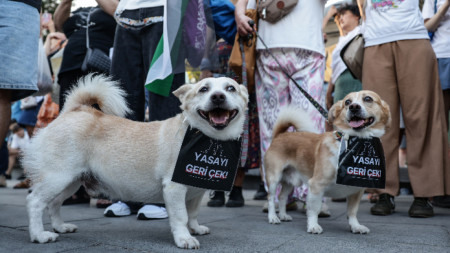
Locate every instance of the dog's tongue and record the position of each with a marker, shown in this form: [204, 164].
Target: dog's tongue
[356, 123]
[218, 118]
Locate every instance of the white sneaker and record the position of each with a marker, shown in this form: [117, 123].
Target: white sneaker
[118, 209]
[148, 212]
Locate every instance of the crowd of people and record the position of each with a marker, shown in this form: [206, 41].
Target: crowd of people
[411, 74]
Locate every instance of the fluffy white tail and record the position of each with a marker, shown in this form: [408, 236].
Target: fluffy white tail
[293, 116]
[97, 89]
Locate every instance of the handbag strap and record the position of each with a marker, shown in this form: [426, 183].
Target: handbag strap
[307, 96]
[88, 20]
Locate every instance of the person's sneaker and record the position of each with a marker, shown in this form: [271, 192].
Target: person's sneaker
[421, 208]
[118, 209]
[261, 193]
[384, 206]
[2, 181]
[217, 199]
[235, 199]
[150, 212]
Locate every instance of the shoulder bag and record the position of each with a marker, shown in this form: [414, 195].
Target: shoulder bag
[95, 60]
[274, 10]
[352, 55]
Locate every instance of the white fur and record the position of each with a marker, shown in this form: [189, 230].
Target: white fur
[123, 159]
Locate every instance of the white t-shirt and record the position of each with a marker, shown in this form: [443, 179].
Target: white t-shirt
[392, 20]
[138, 4]
[301, 28]
[20, 143]
[441, 38]
[337, 65]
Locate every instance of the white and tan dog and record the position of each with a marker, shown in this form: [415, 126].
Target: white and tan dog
[300, 157]
[123, 159]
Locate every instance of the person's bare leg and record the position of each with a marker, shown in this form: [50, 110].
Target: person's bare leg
[13, 153]
[5, 112]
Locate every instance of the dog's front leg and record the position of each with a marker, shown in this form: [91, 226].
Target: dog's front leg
[193, 207]
[352, 210]
[313, 206]
[175, 199]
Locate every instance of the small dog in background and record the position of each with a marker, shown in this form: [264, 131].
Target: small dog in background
[303, 156]
[124, 159]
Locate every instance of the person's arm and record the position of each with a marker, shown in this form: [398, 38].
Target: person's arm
[329, 96]
[432, 23]
[331, 12]
[361, 4]
[62, 13]
[242, 25]
[108, 6]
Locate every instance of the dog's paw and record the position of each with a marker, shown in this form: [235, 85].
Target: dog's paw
[44, 237]
[315, 229]
[273, 219]
[360, 229]
[285, 217]
[187, 242]
[200, 230]
[65, 228]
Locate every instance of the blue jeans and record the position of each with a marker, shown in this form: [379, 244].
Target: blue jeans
[19, 38]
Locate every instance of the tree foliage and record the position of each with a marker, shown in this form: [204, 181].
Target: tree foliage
[49, 5]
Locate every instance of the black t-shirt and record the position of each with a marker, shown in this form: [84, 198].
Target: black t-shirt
[101, 36]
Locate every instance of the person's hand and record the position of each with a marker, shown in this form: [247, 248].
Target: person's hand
[332, 11]
[243, 27]
[52, 42]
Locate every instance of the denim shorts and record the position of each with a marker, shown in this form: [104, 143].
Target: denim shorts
[444, 72]
[19, 37]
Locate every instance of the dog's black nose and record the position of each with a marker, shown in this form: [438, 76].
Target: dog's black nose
[354, 108]
[218, 98]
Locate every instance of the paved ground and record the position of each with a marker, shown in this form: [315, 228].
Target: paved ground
[232, 230]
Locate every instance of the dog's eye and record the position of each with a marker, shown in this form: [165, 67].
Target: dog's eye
[368, 99]
[348, 102]
[203, 89]
[230, 88]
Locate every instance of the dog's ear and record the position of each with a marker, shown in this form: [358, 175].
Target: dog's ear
[334, 111]
[386, 117]
[182, 91]
[244, 91]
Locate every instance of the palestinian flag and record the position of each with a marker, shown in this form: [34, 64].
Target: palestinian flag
[184, 38]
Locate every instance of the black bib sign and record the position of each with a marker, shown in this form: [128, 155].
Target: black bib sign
[362, 163]
[207, 163]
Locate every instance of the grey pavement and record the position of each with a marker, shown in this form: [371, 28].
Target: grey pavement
[232, 230]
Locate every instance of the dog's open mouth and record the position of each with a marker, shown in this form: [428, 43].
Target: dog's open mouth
[218, 118]
[358, 123]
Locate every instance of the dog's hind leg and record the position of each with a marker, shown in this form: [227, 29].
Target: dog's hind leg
[286, 189]
[352, 210]
[193, 207]
[43, 193]
[271, 195]
[55, 206]
[175, 199]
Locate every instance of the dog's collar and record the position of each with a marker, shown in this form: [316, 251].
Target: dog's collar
[338, 135]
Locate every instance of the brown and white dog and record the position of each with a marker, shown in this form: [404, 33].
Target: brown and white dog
[124, 159]
[303, 156]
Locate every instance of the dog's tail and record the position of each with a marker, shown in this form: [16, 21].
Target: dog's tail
[295, 117]
[97, 91]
